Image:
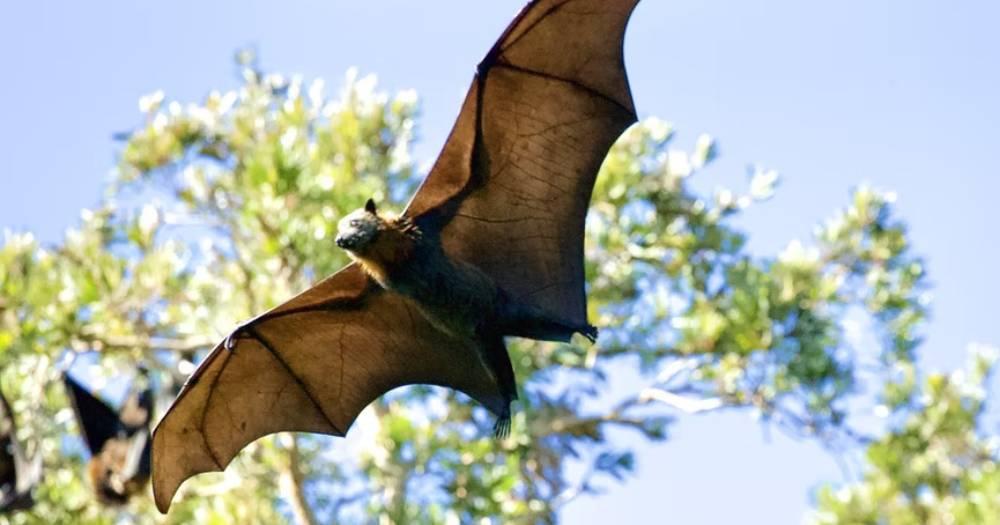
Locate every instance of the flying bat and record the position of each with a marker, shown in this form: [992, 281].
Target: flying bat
[491, 245]
[119, 443]
[18, 474]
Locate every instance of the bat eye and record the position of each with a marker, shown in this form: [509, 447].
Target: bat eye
[355, 223]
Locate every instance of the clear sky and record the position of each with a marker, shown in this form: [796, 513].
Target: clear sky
[902, 94]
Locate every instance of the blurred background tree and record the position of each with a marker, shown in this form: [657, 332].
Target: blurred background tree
[224, 208]
[935, 467]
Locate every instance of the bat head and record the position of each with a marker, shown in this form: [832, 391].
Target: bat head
[358, 229]
[106, 476]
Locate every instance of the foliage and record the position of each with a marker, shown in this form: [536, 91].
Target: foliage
[934, 468]
[224, 208]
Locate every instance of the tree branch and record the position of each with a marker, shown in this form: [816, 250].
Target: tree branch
[88, 341]
[292, 482]
[684, 404]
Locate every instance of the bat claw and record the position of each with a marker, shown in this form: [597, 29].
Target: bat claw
[238, 333]
[501, 429]
[590, 332]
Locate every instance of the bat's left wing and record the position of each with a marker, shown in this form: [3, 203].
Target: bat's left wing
[97, 421]
[510, 190]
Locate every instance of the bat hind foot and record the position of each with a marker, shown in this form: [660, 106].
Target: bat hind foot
[522, 320]
[501, 429]
[590, 332]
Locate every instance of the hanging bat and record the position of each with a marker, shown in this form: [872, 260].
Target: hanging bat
[119, 443]
[490, 246]
[18, 474]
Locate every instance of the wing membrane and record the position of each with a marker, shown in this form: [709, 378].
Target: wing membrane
[514, 179]
[309, 370]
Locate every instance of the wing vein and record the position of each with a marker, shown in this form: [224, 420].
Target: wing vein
[312, 398]
[204, 414]
[573, 83]
[504, 46]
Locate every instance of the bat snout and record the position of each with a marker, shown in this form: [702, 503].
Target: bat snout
[344, 242]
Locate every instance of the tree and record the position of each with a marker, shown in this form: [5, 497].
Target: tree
[935, 466]
[223, 208]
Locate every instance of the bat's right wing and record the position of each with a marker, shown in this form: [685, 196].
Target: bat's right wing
[311, 364]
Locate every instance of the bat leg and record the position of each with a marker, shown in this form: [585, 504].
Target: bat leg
[522, 320]
[499, 361]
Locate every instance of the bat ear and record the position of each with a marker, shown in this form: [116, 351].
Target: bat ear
[370, 207]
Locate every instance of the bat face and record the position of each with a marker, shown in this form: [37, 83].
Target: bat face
[106, 469]
[359, 229]
[107, 486]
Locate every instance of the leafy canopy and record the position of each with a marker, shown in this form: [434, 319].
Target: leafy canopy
[223, 208]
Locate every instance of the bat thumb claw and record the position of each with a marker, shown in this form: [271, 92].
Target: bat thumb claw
[240, 331]
[230, 341]
[590, 332]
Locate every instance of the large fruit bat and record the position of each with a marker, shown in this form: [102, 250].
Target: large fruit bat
[491, 245]
[118, 441]
[19, 475]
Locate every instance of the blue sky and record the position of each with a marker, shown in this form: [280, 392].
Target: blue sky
[901, 94]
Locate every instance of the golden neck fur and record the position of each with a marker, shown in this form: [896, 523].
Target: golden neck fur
[392, 248]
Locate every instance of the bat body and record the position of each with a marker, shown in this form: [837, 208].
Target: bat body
[119, 442]
[18, 475]
[491, 245]
[457, 298]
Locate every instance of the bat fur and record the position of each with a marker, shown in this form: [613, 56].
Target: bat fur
[456, 297]
[104, 471]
